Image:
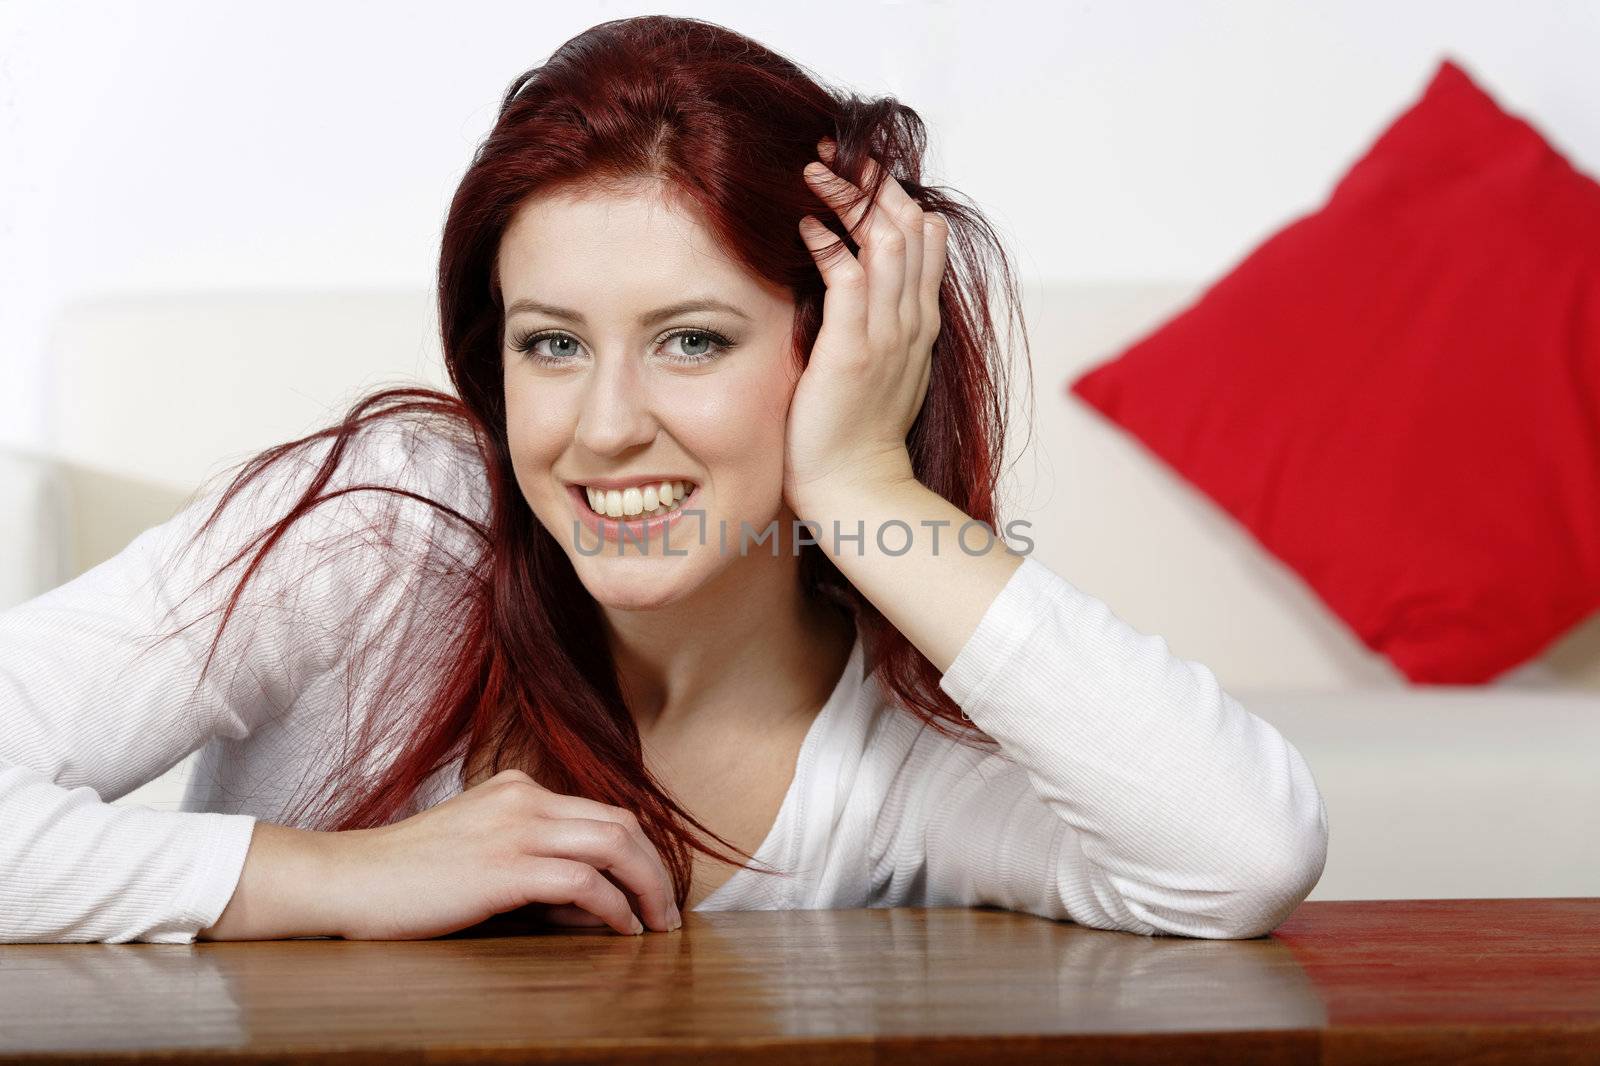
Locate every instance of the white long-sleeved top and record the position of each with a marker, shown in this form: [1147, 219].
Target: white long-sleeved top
[1129, 791]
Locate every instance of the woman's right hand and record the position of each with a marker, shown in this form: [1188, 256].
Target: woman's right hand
[504, 843]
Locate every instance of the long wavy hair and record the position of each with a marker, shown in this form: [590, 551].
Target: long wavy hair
[527, 679]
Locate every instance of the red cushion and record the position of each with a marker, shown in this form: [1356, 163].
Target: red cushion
[1399, 395]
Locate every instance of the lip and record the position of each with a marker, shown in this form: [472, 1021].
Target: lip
[640, 532]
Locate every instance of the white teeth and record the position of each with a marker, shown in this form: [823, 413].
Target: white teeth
[648, 501]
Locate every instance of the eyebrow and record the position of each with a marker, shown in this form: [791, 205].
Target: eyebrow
[649, 318]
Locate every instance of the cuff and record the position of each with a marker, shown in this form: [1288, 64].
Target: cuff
[1001, 633]
[218, 867]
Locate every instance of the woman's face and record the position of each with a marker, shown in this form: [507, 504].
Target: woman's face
[624, 302]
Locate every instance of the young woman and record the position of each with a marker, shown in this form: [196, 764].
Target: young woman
[688, 600]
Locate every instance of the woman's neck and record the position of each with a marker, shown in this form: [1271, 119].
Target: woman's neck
[748, 651]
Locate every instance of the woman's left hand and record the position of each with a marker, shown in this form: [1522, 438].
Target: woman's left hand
[869, 368]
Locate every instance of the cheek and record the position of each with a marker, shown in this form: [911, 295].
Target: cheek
[734, 425]
[539, 427]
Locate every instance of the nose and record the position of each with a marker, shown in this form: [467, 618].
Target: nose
[615, 414]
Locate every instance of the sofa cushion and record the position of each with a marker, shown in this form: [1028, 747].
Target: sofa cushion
[1398, 395]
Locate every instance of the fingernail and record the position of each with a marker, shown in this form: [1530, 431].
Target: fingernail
[638, 926]
[825, 148]
[815, 170]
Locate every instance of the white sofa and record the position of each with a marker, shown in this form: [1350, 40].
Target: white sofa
[1432, 792]
[34, 553]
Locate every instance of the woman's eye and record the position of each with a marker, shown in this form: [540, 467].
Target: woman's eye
[561, 347]
[695, 345]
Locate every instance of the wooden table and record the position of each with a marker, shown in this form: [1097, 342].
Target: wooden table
[1440, 981]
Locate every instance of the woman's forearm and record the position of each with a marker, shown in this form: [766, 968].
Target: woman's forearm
[936, 591]
[285, 890]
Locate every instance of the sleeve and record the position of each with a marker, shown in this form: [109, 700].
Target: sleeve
[1129, 791]
[92, 706]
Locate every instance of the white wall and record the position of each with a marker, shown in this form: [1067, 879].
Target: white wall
[173, 145]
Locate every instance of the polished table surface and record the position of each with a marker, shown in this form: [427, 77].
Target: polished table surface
[1416, 981]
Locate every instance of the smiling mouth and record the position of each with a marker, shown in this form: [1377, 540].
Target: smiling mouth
[649, 500]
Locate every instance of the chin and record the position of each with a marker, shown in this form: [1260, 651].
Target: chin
[634, 584]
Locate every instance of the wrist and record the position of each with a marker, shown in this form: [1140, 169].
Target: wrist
[289, 887]
[330, 894]
[858, 513]
[869, 487]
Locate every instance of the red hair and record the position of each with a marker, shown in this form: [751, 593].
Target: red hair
[728, 125]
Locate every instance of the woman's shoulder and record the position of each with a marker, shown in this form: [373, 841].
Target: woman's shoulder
[380, 510]
[435, 456]
[403, 483]
[421, 502]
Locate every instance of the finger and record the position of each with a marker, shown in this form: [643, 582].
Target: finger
[892, 208]
[558, 881]
[559, 805]
[842, 197]
[565, 914]
[844, 303]
[609, 847]
[907, 215]
[883, 250]
[935, 257]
